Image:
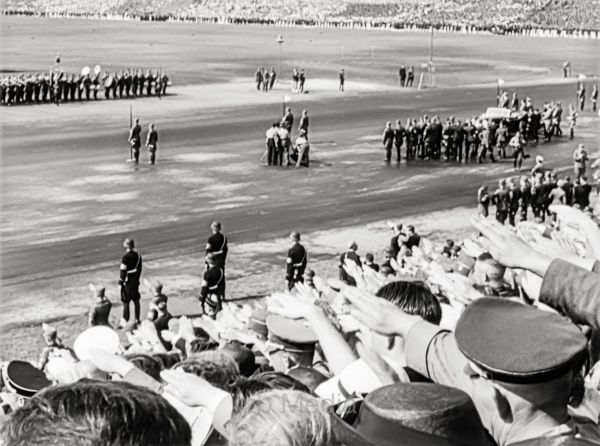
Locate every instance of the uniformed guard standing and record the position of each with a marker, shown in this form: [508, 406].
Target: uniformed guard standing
[296, 261]
[388, 140]
[135, 140]
[212, 292]
[152, 143]
[129, 280]
[217, 245]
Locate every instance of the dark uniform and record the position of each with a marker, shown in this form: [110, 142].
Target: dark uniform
[131, 270]
[217, 246]
[152, 143]
[344, 276]
[388, 141]
[213, 289]
[399, 134]
[295, 263]
[135, 139]
[342, 80]
[514, 203]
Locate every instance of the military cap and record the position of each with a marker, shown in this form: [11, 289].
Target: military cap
[409, 414]
[297, 340]
[23, 378]
[512, 342]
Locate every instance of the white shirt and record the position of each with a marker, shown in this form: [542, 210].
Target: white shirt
[283, 133]
[271, 132]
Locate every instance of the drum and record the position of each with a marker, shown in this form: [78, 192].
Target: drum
[85, 71]
[109, 81]
[97, 69]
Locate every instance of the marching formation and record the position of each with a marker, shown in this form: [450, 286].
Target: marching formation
[58, 86]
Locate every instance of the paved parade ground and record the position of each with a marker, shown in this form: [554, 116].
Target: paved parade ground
[69, 197]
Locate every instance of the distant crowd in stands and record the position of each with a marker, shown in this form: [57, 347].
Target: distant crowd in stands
[573, 18]
[58, 86]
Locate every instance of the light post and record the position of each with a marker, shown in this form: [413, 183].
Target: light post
[280, 42]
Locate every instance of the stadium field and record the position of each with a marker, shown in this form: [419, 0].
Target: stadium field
[69, 198]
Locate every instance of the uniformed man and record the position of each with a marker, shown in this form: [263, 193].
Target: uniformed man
[149, 82]
[402, 74]
[296, 262]
[212, 292]
[87, 85]
[258, 77]
[581, 96]
[410, 76]
[272, 77]
[129, 280]
[96, 85]
[304, 122]
[399, 135]
[388, 140]
[141, 82]
[342, 79]
[164, 79]
[271, 142]
[301, 80]
[288, 120]
[514, 201]
[352, 255]
[302, 150]
[283, 144]
[594, 97]
[127, 82]
[134, 82]
[135, 140]
[500, 200]
[152, 143]
[217, 245]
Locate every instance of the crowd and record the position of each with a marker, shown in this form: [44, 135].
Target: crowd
[278, 140]
[550, 18]
[480, 137]
[540, 190]
[488, 341]
[58, 86]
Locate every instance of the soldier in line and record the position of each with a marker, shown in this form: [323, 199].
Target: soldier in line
[129, 280]
[135, 140]
[212, 292]
[152, 143]
[388, 141]
[296, 261]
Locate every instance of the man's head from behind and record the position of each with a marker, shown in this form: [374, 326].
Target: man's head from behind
[89, 413]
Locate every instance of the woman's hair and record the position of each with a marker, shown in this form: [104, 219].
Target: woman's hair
[282, 418]
[217, 367]
[413, 298]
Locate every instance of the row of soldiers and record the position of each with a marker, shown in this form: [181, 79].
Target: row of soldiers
[56, 87]
[476, 138]
[131, 84]
[515, 196]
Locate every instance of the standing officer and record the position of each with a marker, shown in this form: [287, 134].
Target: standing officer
[212, 292]
[288, 120]
[129, 280]
[304, 123]
[342, 79]
[296, 261]
[216, 245]
[594, 97]
[388, 140]
[581, 96]
[135, 139]
[271, 141]
[152, 143]
[402, 73]
[399, 134]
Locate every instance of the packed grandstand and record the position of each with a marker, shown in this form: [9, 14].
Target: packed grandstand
[487, 15]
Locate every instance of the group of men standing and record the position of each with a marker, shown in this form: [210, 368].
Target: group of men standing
[514, 196]
[265, 79]
[135, 142]
[278, 140]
